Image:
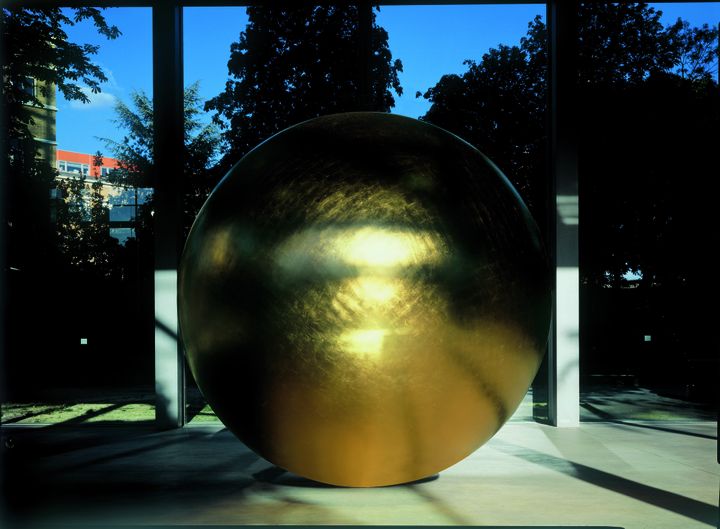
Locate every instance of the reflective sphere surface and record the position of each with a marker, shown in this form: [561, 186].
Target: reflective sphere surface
[364, 299]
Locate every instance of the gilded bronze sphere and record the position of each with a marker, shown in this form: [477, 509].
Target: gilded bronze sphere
[364, 299]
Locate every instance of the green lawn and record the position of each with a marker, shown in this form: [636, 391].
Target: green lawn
[128, 407]
[81, 413]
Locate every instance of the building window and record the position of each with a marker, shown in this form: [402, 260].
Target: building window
[27, 86]
[122, 213]
[122, 234]
[73, 167]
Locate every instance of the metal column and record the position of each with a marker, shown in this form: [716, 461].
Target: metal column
[169, 144]
[564, 347]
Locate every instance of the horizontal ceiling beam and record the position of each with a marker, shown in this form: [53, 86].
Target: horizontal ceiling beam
[245, 3]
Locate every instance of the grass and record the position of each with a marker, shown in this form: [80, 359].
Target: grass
[206, 415]
[40, 413]
[137, 407]
[89, 413]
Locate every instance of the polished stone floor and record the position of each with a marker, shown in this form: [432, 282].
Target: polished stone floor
[652, 475]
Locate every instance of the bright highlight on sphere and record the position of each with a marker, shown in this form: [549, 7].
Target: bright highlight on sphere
[364, 299]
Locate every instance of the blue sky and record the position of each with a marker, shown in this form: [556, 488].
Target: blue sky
[430, 40]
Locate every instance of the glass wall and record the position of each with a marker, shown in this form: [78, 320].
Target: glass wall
[478, 71]
[79, 312]
[79, 282]
[206, 57]
[649, 123]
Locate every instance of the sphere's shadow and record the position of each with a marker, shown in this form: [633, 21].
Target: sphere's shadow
[277, 476]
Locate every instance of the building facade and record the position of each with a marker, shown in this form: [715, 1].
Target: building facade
[70, 164]
[44, 118]
[121, 201]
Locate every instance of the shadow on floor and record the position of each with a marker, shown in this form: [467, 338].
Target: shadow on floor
[694, 509]
[606, 417]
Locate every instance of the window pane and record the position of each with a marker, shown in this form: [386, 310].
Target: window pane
[80, 332]
[122, 234]
[649, 122]
[73, 167]
[431, 41]
[122, 214]
[205, 63]
[500, 114]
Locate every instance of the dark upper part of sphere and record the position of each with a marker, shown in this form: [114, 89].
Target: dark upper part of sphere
[327, 171]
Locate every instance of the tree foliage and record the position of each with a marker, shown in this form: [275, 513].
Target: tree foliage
[37, 46]
[295, 63]
[695, 50]
[646, 168]
[645, 91]
[498, 105]
[135, 151]
[621, 44]
[36, 50]
[83, 228]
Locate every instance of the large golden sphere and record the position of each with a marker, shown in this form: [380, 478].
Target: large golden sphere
[364, 299]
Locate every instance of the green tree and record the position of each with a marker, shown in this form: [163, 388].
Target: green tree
[135, 151]
[295, 63]
[644, 91]
[620, 44]
[83, 227]
[37, 53]
[70, 219]
[36, 46]
[695, 50]
[498, 105]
